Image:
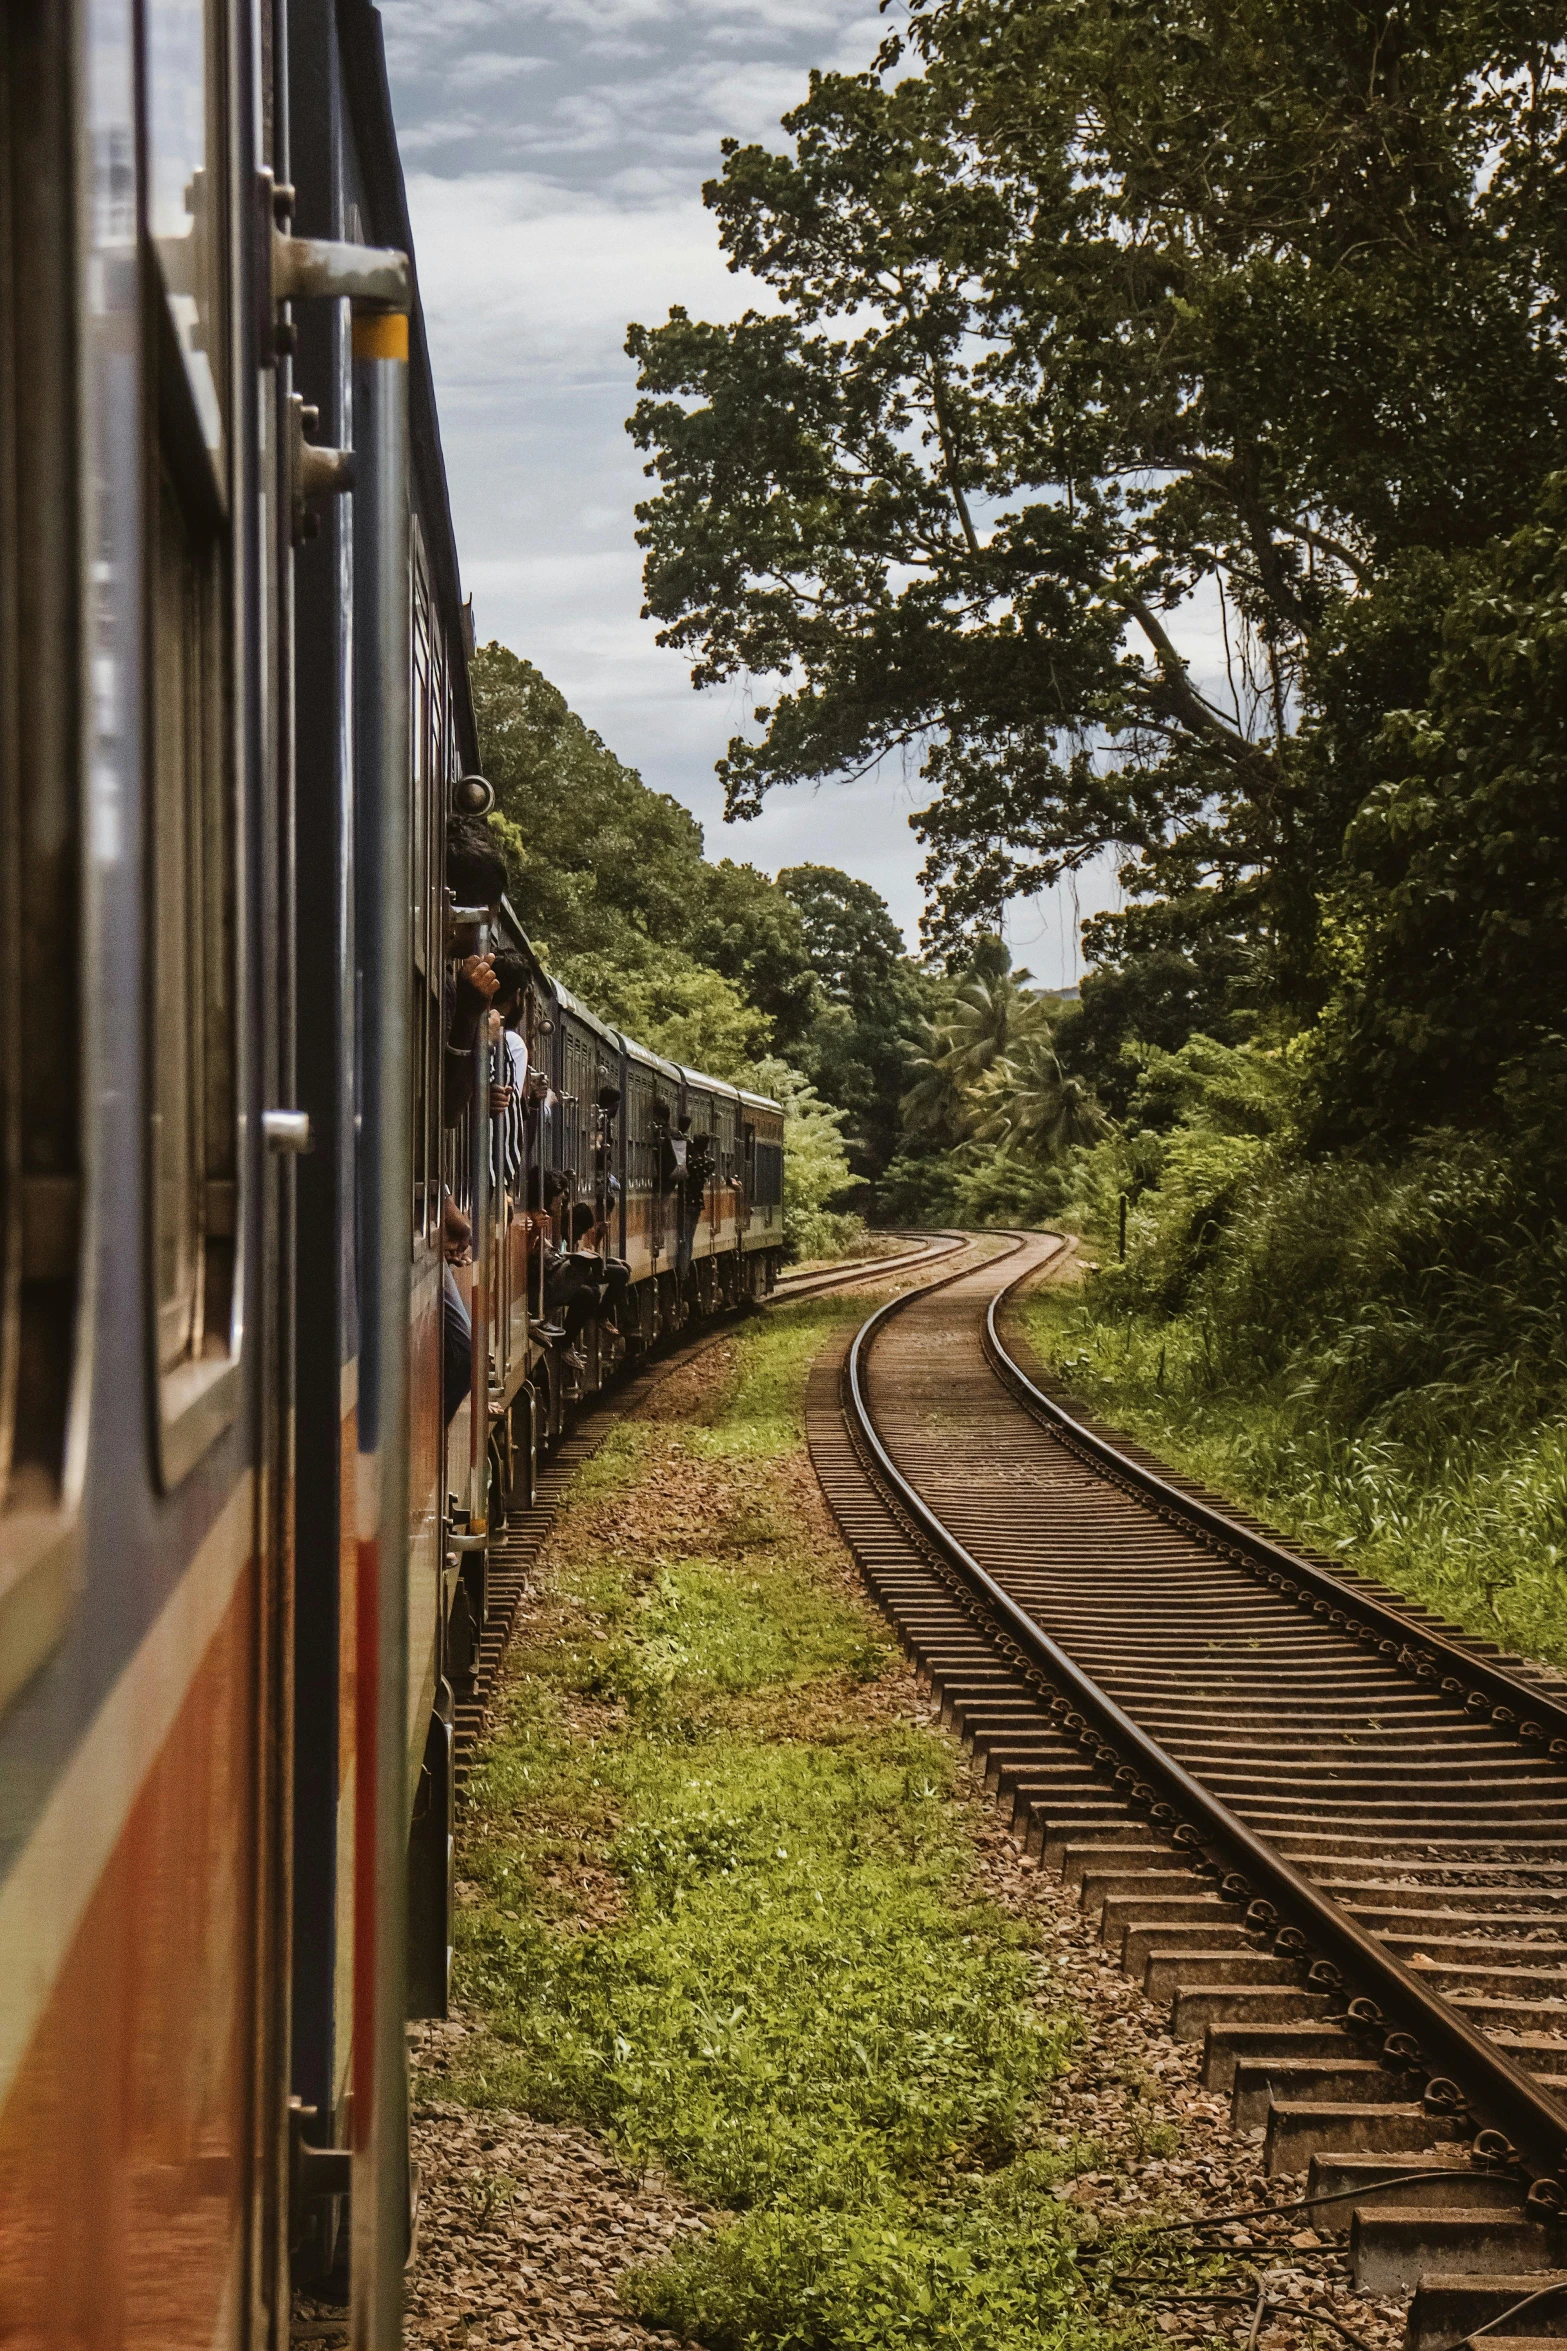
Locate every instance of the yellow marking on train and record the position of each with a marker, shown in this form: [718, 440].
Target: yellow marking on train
[380, 334]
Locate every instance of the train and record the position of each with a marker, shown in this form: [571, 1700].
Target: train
[258, 1180]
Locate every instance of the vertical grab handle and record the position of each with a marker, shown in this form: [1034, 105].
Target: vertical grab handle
[379, 2138]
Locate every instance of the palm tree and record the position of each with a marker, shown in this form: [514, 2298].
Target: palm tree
[993, 1017]
[1026, 1102]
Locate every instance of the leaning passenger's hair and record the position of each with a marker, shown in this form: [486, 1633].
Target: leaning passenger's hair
[511, 971]
[475, 869]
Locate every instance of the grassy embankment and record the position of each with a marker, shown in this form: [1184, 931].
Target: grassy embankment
[1398, 1430]
[717, 1906]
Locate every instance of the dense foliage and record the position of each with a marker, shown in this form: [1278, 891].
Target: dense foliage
[799, 985]
[1100, 324]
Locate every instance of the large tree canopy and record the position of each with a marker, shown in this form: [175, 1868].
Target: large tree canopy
[1247, 306]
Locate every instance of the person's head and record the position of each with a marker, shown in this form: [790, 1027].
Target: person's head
[512, 973]
[554, 1184]
[475, 869]
[584, 1220]
[684, 1122]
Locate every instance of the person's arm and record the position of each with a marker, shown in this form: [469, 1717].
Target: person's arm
[456, 1233]
[476, 988]
[467, 1001]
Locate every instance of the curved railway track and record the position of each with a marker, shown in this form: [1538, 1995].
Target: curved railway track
[1327, 1830]
[930, 1249]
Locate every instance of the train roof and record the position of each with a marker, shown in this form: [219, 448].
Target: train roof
[580, 1011]
[697, 1077]
[668, 1070]
[674, 1073]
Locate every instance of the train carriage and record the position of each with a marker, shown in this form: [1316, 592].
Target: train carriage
[246, 1504]
[761, 1190]
[651, 1089]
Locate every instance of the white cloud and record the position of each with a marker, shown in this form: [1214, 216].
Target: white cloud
[556, 156]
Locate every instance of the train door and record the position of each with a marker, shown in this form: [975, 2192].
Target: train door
[142, 2041]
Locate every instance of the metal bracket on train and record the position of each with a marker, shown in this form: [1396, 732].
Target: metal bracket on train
[315, 2176]
[301, 268]
[310, 472]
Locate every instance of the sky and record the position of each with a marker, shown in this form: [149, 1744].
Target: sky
[555, 152]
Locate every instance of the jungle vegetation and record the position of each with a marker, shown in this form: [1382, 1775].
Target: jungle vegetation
[1091, 335]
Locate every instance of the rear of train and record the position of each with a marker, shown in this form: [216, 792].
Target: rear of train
[240, 1548]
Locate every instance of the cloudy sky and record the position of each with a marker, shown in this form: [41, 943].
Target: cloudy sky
[555, 153]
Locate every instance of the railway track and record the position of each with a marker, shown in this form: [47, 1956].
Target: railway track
[929, 1249]
[1327, 1831]
[514, 1551]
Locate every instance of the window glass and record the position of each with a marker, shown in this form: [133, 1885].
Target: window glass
[193, 1136]
[184, 198]
[190, 779]
[40, 1070]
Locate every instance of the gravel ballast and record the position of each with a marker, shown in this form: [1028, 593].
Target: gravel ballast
[526, 2226]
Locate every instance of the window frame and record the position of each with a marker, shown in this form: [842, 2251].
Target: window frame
[196, 1397]
[45, 1353]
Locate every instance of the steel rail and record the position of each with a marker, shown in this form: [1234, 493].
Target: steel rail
[1486, 2078]
[934, 1249]
[1511, 1704]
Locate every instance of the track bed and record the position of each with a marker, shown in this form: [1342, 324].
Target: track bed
[1328, 1832]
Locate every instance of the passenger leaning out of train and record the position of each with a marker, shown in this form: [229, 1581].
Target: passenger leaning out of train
[456, 1327]
[612, 1276]
[509, 1089]
[543, 1197]
[582, 1286]
[475, 878]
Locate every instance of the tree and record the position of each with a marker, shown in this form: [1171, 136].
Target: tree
[1028, 1104]
[749, 928]
[873, 996]
[1156, 998]
[1101, 310]
[855, 947]
[991, 1018]
[1449, 930]
[595, 856]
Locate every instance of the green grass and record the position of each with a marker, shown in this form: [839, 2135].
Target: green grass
[761, 1414]
[1447, 1499]
[786, 1993]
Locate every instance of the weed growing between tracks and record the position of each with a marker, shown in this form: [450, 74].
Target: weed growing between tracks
[716, 1905]
[1464, 1510]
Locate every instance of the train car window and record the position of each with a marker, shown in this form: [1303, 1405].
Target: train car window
[190, 815]
[40, 698]
[185, 208]
[769, 1175]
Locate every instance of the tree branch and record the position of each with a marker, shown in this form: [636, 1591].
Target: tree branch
[1198, 713]
[1364, 572]
[948, 464]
